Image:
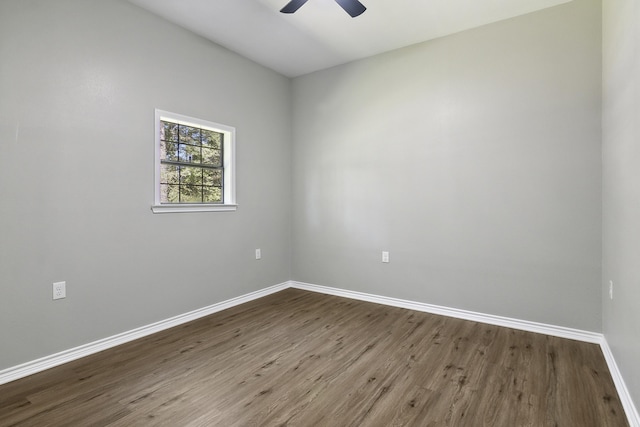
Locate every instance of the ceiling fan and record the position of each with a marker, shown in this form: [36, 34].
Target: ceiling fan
[352, 7]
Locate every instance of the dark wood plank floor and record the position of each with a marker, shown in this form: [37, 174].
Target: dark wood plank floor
[297, 358]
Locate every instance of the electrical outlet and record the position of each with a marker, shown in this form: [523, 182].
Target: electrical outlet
[610, 289]
[385, 256]
[59, 290]
[258, 254]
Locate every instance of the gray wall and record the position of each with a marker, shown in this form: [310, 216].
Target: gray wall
[474, 159]
[621, 186]
[79, 81]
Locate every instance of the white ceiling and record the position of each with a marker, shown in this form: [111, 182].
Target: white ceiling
[320, 34]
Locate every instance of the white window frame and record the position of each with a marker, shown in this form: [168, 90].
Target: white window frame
[228, 163]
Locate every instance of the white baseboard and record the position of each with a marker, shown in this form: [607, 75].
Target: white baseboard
[524, 325]
[35, 366]
[621, 386]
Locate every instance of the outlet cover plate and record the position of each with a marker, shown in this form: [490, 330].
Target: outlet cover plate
[611, 289]
[59, 290]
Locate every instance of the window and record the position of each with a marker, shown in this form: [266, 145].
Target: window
[194, 165]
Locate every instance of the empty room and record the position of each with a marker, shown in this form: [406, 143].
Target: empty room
[319, 213]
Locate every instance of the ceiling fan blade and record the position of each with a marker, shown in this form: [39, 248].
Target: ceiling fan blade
[352, 7]
[293, 5]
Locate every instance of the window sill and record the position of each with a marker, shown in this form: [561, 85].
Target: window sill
[185, 208]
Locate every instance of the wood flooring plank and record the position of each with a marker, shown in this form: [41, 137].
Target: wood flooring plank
[298, 358]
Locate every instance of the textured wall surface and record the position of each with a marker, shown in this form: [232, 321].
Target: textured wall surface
[621, 186]
[474, 159]
[79, 82]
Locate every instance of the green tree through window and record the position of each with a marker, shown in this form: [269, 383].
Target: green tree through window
[191, 164]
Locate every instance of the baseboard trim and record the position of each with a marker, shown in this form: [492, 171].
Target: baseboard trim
[623, 392]
[39, 365]
[524, 325]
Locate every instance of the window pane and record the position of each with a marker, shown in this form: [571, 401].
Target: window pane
[189, 135]
[194, 135]
[189, 154]
[168, 131]
[190, 175]
[212, 194]
[190, 194]
[168, 151]
[169, 193]
[169, 174]
[211, 157]
[211, 139]
[195, 153]
[212, 177]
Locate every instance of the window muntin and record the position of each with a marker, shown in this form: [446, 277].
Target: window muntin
[194, 164]
[191, 169]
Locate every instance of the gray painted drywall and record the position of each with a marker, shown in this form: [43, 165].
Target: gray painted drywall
[79, 81]
[621, 186]
[474, 159]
